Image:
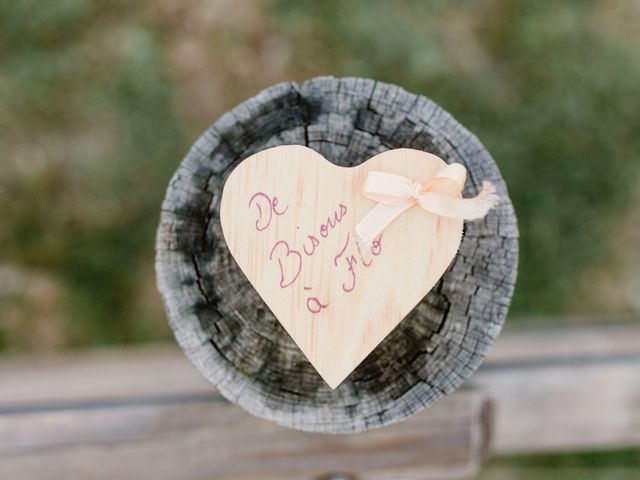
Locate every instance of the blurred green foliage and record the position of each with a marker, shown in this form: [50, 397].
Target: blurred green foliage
[91, 128]
[599, 465]
[87, 114]
[551, 91]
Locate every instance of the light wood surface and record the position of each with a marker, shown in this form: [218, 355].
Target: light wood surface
[289, 217]
[231, 335]
[208, 440]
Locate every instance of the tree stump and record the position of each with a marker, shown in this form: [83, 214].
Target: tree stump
[228, 332]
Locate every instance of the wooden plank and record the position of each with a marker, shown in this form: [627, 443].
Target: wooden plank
[559, 389]
[564, 389]
[198, 438]
[569, 407]
[99, 375]
[558, 342]
[134, 372]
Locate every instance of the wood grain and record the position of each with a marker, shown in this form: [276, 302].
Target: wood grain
[335, 296]
[564, 389]
[230, 334]
[146, 413]
[205, 440]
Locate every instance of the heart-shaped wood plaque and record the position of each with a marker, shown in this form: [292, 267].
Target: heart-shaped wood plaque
[289, 217]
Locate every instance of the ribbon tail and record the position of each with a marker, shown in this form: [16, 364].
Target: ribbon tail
[377, 219]
[463, 208]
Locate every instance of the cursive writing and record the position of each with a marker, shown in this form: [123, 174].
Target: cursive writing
[345, 258]
[290, 270]
[289, 258]
[266, 207]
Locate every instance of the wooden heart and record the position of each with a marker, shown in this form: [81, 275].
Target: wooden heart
[289, 216]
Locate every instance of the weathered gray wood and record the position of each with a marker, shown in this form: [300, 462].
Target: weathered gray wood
[197, 437]
[98, 376]
[200, 440]
[146, 413]
[564, 389]
[231, 336]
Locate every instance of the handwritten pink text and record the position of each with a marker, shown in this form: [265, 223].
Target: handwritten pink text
[289, 258]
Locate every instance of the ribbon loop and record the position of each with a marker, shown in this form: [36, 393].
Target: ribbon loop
[388, 188]
[441, 196]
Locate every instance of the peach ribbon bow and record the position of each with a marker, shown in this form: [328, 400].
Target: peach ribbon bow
[441, 195]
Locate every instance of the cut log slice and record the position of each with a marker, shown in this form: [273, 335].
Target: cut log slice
[228, 332]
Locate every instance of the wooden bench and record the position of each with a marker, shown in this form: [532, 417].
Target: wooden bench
[146, 413]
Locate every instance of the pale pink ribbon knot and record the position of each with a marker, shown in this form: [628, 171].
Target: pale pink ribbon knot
[441, 195]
